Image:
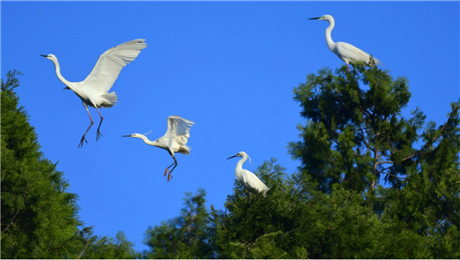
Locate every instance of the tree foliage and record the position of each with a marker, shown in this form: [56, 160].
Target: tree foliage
[358, 139]
[296, 220]
[38, 215]
[185, 236]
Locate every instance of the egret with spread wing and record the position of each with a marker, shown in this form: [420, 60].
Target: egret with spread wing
[94, 90]
[248, 179]
[174, 141]
[345, 51]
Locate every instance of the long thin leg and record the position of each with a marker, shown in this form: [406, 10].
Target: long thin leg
[83, 137]
[170, 171]
[98, 136]
[348, 68]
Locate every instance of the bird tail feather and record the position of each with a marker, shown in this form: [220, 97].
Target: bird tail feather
[264, 192]
[185, 149]
[111, 97]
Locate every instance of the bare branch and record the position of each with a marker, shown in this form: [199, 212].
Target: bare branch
[384, 162]
[82, 252]
[17, 211]
[390, 174]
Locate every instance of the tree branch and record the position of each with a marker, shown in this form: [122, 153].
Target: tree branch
[384, 162]
[17, 211]
[432, 140]
[364, 139]
[390, 174]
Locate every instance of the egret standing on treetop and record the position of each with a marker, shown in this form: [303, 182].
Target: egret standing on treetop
[93, 91]
[174, 141]
[248, 179]
[345, 51]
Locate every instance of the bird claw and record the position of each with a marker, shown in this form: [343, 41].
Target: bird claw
[169, 177]
[98, 136]
[169, 174]
[81, 142]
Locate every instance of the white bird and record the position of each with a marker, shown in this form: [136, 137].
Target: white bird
[345, 51]
[174, 141]
[248, 179]
[93, 91]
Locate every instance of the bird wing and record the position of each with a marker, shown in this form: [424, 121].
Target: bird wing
[178, 129]
[110, 63]
[350, 52]
[254, 182]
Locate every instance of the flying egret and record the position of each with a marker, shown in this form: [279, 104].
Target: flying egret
[174, 141]
[248, 179]
[93, 91]
[345, 51]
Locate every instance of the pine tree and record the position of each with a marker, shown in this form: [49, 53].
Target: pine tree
[185, 236]
[358, 139]
[93, 247]
[38, 214]
[296, 220]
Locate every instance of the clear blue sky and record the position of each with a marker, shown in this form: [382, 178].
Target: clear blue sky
[228, 66]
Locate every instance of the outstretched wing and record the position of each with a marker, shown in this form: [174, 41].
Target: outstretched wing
[178, 129]
[111, 62]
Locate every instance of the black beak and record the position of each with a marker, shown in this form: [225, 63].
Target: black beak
[43, 55]
[232, 157]
[126, 136]
[316, 18]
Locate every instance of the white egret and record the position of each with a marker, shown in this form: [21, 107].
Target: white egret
[174, 141]
[345, 51]
[248, 179]
[93, 91]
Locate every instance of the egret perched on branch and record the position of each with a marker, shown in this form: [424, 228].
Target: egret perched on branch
[248, 179]
[345, 51]
[93, 91]
[174, 141]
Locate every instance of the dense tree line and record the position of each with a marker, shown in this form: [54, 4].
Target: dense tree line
[372, 184]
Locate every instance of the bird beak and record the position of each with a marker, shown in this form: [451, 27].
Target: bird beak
[126, 136]
[232, 157]
[316, 18]
[43, 55]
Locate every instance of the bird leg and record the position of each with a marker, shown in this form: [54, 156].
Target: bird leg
[98, 136]
[92, 122]
[348, 68]
[170, 171]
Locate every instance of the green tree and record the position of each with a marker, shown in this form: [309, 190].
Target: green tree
[185, 236]
[39, 216]
[296, 220]
[358, 139]
[90, 246]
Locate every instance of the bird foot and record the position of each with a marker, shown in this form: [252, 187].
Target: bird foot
[169, 174]
[81, 142]
[98, 136]
[169, 177]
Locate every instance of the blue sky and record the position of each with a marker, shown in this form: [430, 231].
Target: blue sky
[228, 66]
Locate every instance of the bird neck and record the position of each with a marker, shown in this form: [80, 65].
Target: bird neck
[58, 74]
[329, 41]
[239, 165]
[147, 141]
